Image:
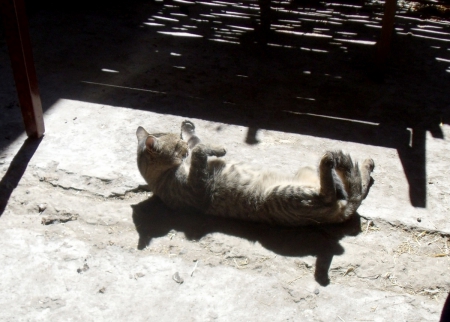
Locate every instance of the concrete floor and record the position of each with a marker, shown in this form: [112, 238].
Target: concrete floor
[111, 249]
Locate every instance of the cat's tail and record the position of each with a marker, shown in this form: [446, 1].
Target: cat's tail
[355, 179]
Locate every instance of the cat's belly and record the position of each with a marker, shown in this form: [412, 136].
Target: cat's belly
[232, 202]
[284, 203]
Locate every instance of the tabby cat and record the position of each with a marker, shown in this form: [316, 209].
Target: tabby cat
[178, 170]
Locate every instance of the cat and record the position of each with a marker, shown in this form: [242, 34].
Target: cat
[179, 170]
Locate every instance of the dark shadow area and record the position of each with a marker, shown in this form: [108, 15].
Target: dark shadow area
[445, 315]
[153, 219]
[16, 170]
[294, 66]
[251, 136]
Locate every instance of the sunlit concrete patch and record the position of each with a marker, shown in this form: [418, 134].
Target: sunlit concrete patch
[124, 87]
[82, 140]
[443, 60]
[431, 31]
[372, 26]
[184, 2]
[358, 42]
[314, 50]
[86, 143]
[178, 14]
[279, 45]
[180, 34]
[225, 41]
[106, 70]
[305, 34]
[306, 98]
[331, 117]
[431, 38]
[228, 15]
[154, 24]
[166, 19]
[211, 4]
[343, 5]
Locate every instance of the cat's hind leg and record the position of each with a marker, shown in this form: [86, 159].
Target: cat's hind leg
[327, 181]
[188, 134]
[366, 169]
[347, 176]
[356, 180]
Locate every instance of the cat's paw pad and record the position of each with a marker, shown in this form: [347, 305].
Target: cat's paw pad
[328, 160]
[187, 131]
[369, 164]
[187, 126]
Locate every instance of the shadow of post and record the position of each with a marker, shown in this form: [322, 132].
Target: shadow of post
[153, 219]
[414, 164]
[16, 170]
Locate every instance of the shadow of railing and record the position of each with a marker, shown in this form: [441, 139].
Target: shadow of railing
[16, 170]
[299, 67]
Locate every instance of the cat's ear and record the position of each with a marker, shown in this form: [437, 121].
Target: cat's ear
[141, 133]
[151, 143]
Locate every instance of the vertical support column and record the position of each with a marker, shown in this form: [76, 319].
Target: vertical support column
[19, 45]
[384, 43]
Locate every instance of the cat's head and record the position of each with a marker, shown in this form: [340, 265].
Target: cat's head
[159, 151]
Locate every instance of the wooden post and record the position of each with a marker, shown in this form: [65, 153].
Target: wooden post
[19, 45]
[384, 43]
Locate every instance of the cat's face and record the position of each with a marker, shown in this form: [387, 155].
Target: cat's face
[161, 151]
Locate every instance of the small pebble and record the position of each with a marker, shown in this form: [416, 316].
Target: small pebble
[177, 278]
[83, 269]
[213, 315]
[316, 291]
[419, 219]
[42, 207]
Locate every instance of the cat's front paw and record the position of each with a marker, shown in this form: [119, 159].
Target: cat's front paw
[218, 151]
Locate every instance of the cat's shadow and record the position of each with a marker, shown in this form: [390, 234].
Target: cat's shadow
[153, 219]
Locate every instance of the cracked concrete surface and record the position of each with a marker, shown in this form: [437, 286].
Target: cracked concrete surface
[82, 239]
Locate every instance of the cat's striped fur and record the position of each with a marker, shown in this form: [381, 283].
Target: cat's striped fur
[220, 188]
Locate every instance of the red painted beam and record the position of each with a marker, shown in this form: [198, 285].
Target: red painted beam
[19, 45]
[384, 43]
